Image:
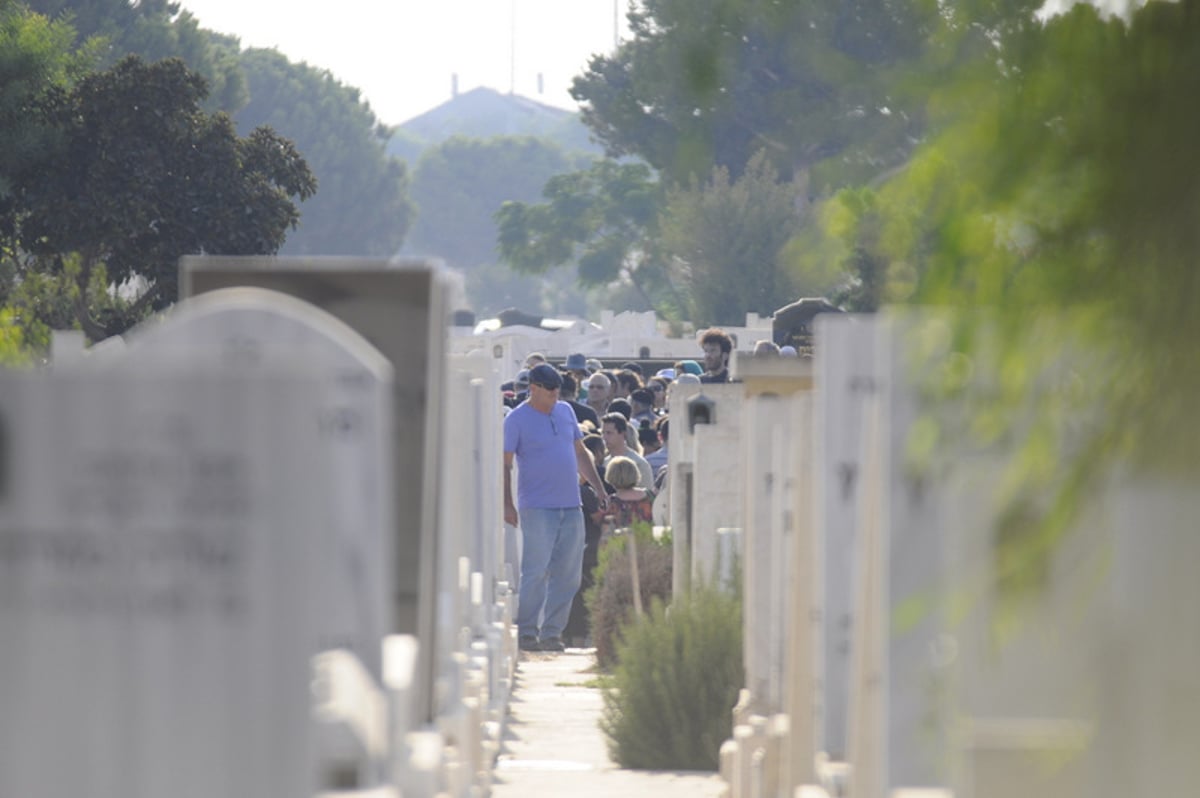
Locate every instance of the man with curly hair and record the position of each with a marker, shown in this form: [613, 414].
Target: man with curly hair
[717, 345]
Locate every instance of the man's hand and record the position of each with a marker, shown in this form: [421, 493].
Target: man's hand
[510, 515]
[603, 497]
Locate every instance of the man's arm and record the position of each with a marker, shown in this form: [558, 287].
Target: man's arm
[510, 509]
[587, 468]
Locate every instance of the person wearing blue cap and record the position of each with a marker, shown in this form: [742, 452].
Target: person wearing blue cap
[543, 438]
[576, 366]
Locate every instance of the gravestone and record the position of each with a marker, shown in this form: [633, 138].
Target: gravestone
[1148, 717]
[912, 530]
[158, 530]
[246, 328]
[717, 478]
[1077, 678]
[767, 545]
[488, 413]
[845, 366]
[680, 482]
[898, 726]
[400, 307]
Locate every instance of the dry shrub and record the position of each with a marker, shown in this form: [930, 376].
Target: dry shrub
[610, 599]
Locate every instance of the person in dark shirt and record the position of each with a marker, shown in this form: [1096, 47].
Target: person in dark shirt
[582, 412]
[717, 346]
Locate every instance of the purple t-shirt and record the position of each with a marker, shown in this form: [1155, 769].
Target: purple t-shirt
[544, 445]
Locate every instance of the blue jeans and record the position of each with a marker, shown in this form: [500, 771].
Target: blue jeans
[551, 566]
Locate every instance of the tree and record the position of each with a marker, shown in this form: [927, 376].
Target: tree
[729, 235]
[706, 83]
[35, 54]
[363, 206]
[460, 184]
[1053, 218]
[604, 221]
[143, 176]
[1069, 186]
[154, 29]
[823, 91]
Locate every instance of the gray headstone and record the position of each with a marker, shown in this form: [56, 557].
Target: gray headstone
[845, 379]
[247, 328]
[400, 308]
[916, 669]
[157, 536]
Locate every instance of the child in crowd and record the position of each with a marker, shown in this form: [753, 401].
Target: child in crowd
[628, 504]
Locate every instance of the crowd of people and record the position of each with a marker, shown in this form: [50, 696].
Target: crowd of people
[591, 448]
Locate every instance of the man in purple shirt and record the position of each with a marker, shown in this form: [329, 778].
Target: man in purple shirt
[542, 435]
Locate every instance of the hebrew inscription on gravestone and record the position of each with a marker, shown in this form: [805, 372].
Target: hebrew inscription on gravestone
[156, 550]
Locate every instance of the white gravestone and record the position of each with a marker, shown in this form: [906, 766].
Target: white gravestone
[400, 307]
[898, 731]
[157, 532]
[245, 328]
[846, 378]
[718, 479]
[917, 659]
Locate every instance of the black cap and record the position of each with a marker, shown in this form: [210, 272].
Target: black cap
[545, 375]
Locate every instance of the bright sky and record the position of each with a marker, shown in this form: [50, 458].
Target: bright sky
[401, 53]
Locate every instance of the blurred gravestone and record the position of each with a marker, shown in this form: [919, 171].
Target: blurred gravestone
[157, 534]
[400, 308]
[846, 379]
[246, 328]
[793, 325]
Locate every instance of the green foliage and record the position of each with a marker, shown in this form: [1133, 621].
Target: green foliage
[708, 83]
[670, 703]
[461, 183]
[728, 235]
[141, 176]
[153, 29]
[605, 221]
[610, 599]
[362, 207]
[45, 296]
[35, 54]
[1052, 216]
[769, 98]
[1070, 186]
[12, 340]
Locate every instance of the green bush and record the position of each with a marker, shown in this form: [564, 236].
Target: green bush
[610, 599]
[678, 675]
[12, 340]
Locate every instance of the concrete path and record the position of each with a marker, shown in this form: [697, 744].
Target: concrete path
[553, 745]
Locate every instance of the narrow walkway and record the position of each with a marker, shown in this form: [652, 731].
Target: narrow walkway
[553, 745]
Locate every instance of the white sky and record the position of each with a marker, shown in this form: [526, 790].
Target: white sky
[401, 53]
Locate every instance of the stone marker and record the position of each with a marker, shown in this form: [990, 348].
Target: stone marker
[247, 328]
[898, 723]
[846, 378]
[157, 535]
[400, 308]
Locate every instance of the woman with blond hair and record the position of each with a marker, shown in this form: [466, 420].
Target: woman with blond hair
[629, 503]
